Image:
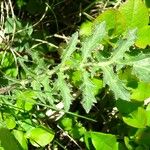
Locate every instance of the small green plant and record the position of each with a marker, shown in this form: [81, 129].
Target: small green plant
[105, 64]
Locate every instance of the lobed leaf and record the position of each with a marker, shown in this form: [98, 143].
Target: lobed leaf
[115, 84]
[124, 45]
[64, 91]
[48, 90]
[88, 90]
[71, 47]
[92, 42]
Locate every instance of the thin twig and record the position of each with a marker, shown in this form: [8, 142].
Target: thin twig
[62, 37]
[118, 3]
[14, 23]
[65, 133]
[2, 15]
[45, 42]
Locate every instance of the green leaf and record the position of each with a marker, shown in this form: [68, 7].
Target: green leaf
[143, 137]
[66, 123]
[7, 120]
[98, 85]
[6, 60]
[29, 30]
[141, 69]
[128, 143]
[115, 22]
[87, 140]
[78, 131]
[124, 45]
[10, 122]
[25, 99]
[70, 48]
[143, 37]
[10, 25]
[148, 114]
[86, 28]
[115, 84]
[26, 124]
[93, 41]
[142, 92]
[128, 78]
[76, 77]
[8, 141]
[13, 72]
[19, 135]
[36, 85]
[135, 13]
[40, 137]
[126, 107]
[102, 141]
[137, 118]
[47, 89]
[20, 3]
[147, 3]
[87, 92]
[65, 91]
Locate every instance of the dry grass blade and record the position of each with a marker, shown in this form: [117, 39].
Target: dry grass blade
[7, 89]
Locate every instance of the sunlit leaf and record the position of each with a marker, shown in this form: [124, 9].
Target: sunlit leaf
[142, 92]
[87, 92]
[40, 137]
[123, 45]
[70, 48]
[115, 22]
[98, 85]
[93, 41]
[10, 122]
[66, 123]
[148, 114]
[135, 13]
[25, 99]
[115, 84]
[102, 141]
[48, 90]
[65, 91]
[143, 37]
[137, 118]
[141, 69]
[19, 135]
[86, 28]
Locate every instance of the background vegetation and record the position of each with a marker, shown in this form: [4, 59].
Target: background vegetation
[74, 74]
